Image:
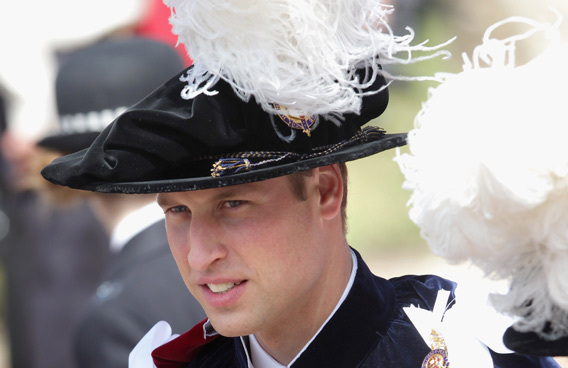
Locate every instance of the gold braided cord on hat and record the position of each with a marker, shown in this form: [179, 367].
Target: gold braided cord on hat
[234, 165]
[241, 161]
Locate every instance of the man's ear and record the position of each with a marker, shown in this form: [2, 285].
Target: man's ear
[330, 187]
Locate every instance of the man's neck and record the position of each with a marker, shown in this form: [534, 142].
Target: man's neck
[290, 340]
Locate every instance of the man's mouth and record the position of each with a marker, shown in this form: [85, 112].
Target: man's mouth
[221, 288]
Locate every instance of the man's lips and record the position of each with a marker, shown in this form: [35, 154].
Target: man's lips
[222, 287]
[223, 294]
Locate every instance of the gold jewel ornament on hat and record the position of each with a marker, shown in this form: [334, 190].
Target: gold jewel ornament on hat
[302, 122]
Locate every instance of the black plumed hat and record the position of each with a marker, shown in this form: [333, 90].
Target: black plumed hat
[96, 83]
[167, 143]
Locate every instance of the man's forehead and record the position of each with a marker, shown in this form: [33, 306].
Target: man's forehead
[219, 193]
[213, 193]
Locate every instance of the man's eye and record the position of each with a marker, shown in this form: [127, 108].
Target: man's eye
[178, 209]
[232, 204]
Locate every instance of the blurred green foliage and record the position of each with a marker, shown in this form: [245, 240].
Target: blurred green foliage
[378, 218]
[377, 205]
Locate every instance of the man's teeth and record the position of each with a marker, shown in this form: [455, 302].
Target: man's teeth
[221, 288]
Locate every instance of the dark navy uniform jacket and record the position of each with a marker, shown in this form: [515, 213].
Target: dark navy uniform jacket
[369, 330]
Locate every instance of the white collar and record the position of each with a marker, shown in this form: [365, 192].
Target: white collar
[262, 359]
[134, 223]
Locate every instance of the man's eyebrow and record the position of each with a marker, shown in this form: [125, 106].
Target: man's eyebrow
[166, 201]
[163, 201]
[230, 192]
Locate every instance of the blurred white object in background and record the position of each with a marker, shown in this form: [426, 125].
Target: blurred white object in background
[31, 32]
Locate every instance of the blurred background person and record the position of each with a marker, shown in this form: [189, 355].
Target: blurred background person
[141, 284]
[53, 260]
[52, 257]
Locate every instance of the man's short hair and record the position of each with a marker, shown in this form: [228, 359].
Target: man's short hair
[297, 181]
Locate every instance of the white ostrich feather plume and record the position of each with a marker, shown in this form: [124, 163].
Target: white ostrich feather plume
[301, 54]
[488, 171]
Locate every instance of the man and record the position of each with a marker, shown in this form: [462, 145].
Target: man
[254, 198]
[94, 84]
[266, 257]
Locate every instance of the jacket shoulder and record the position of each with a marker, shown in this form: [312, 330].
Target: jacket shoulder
[421, 290]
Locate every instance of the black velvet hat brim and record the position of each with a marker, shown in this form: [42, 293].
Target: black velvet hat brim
[386, 142]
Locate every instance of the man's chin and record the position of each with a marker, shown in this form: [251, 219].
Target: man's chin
[228, 327]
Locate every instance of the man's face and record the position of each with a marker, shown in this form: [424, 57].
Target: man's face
[251, 254]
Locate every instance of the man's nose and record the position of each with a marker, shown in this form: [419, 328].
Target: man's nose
[205, 246]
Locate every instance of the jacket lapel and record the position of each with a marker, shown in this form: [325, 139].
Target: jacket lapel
[178, 352]
[356, 327]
